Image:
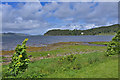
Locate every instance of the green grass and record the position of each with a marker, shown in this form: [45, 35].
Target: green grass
[87, 65]
[108, 69]
[92, 65]
[68, 49]
[100, 43]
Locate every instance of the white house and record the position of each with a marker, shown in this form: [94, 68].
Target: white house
[82, 33]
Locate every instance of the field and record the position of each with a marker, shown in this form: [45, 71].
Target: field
[87, 62]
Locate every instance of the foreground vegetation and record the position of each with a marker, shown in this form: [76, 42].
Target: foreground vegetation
[104, 30]
[19, 61]
[90, 62]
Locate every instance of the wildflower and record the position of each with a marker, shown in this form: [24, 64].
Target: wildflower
[20, 56]
[26, 39]
[18, 63]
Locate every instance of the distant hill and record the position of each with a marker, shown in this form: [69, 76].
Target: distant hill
[12, 34]
[104, 30]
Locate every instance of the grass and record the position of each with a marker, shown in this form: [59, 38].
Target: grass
[92, 63]
[101, 67]
[68, 49]
[100, 43]
[108, 69]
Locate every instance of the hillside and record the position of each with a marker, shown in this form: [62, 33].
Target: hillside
[104, 30]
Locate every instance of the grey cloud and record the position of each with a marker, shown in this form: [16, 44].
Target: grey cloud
[22, 19]
[103, 13]
[30, 17]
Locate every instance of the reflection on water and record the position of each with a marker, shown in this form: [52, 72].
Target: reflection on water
[10, 42]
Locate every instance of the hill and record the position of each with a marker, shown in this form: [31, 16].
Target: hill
[12, 34]
[104, 30]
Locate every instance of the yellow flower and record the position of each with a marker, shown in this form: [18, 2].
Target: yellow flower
[20, 56]
[26, 39]
[18, 63]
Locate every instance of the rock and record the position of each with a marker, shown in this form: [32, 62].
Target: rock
[76, 43]
[48, 55]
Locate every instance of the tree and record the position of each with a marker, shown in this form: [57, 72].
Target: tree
[114, 45]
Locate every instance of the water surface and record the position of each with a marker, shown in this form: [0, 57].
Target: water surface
[10, 42]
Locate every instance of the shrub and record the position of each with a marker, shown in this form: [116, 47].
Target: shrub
[114, 45]
[62, 59]
[77, 66]
[71, 58]
[20, 59]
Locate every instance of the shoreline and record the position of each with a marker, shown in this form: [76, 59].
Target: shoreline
[50, 46]
[7, 55]
[42, 48]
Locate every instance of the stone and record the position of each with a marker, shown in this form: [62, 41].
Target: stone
[48, 55]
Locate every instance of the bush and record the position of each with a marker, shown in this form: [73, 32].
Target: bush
[77, 66]
[71, 58]
[20, 59]
[61, 60]
[114, 45]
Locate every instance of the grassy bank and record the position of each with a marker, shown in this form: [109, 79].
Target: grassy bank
[90, 62]
[100, 43]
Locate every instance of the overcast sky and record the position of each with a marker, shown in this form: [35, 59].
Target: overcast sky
[37, 18]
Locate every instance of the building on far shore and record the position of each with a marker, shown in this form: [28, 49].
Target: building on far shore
[82, 33]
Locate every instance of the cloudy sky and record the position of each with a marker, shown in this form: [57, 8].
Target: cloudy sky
[38, 17]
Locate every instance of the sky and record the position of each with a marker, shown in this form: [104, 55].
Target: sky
[36, 18]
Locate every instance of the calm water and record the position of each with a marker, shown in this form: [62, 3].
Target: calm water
[10, 42]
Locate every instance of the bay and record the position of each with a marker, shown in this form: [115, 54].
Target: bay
[10, 42]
